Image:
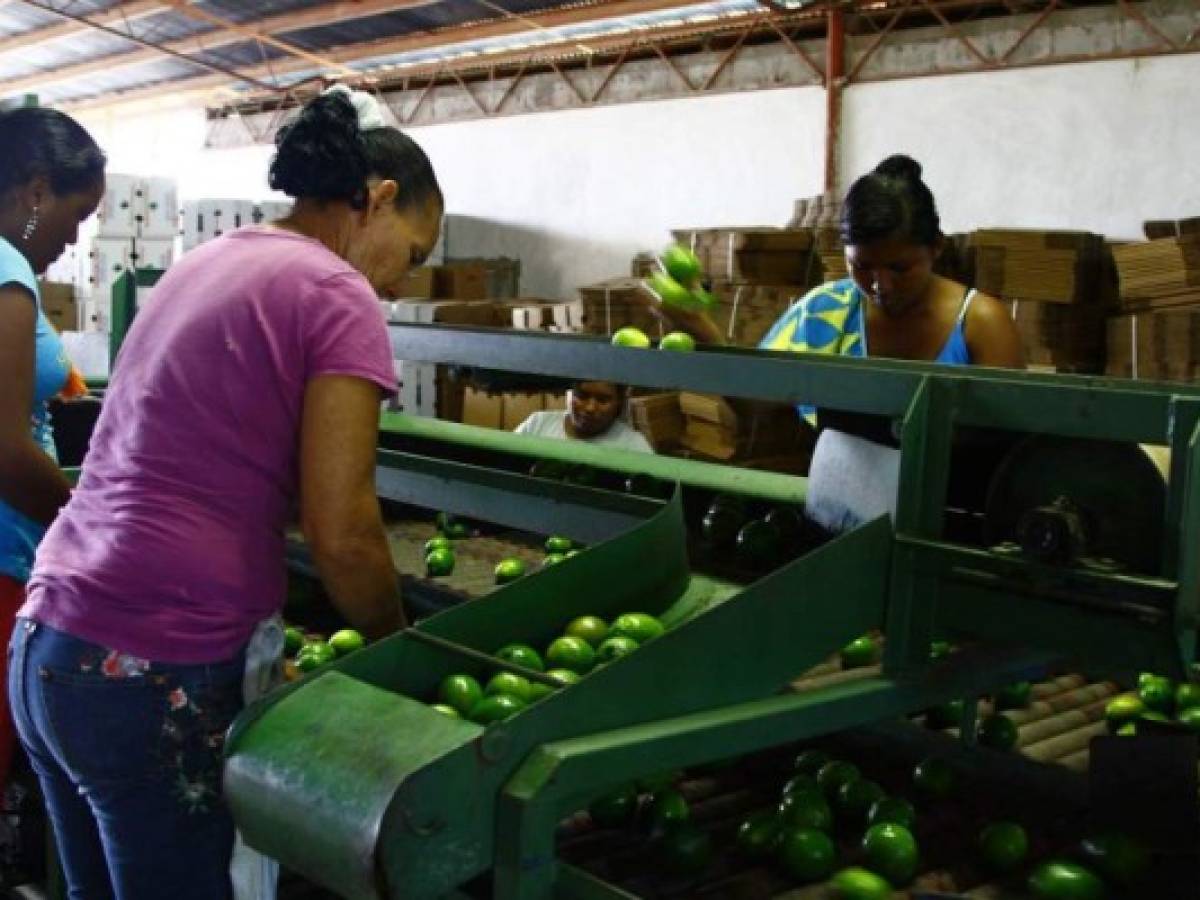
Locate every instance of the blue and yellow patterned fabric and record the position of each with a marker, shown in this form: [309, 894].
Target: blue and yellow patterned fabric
[828, 319]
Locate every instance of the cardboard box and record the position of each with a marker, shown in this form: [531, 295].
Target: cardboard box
[659, 418]
[519, 407]
[461, 281]
[416, 285]
[482, 409]
[60, 305]
[611, 305]
[531, 314]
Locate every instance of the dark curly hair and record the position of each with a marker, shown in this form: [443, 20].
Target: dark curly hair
[324, 155]
[892, 201]
[50, 144]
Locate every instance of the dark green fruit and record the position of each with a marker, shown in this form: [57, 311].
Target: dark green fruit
[801, 784]
[669, 810]
[939, 650]
[854, 800]
[934, 779]
[1157, 694]
[809, 762]
[758, 545]
[807, 854]
[759, 835]
[860, 653]
[1116, 857]
[834, 774]
[1003, 846]
[859, 884]
[1059, 880]
[895, 810]
[805, 810]
[891, 851]
[614, 810]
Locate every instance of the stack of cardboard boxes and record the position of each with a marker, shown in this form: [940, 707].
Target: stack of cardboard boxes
[1058, 286]
[1156, 336]
[719, 430]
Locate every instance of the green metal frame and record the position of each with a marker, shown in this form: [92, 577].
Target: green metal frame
[124, 308]
[349, 777]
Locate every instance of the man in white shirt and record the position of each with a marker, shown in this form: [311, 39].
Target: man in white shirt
[593, 414]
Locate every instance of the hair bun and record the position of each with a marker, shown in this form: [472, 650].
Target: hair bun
[321, 155]
[900, 166]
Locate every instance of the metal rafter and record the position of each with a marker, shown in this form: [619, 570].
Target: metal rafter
[238, 31]
[204, 42]
[108, 29]
[74, 25]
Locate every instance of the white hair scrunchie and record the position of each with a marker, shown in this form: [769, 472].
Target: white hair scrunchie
[370, 111]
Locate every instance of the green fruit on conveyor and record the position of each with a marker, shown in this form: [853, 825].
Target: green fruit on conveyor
[681, 264]
[939, 650]
[834, 774]
[559, 545]
[1187, 695]
[860, 653]
[1190, 719]
[809, 762]
[509, 570]
[563, 676]
[934, 779]
[461, 692]
[1003, 847]
[891, 851]
[759, 836]
[440, 542]
[521, 655]
[669, 810]
[615, 810]
[806, 854]
[293, 640]
[1122, 710]
[592, 629]
[677, 342]
[1116, 857]
[1157, 693]
[758, 545]
[508, 683]
[859, 884]
[669, 290]
[1061, 880]
[346, 641]
[314, 655]
[553, 559]
[854, 800]
[446, 710]
[894, 810]
[571, 653]
[631, 337]
[496, 708]
[639, 627]
[801, 784]
[614, 648]
[998, 732]
[439, 563]
[805, 810]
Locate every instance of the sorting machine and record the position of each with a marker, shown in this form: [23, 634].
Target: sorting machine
[1075, 546]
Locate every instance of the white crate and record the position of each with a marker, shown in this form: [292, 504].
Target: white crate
[154, 254]
[271, 211]
[204, 220]
[116, 215]
[418, 388]
[110, 258]
[156, 208]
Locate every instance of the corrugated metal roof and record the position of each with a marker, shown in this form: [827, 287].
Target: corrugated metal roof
[113, 70]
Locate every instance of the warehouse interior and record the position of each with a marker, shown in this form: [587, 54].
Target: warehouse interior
[752, 529]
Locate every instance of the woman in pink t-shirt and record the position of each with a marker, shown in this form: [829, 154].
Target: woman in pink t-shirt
[251, 378]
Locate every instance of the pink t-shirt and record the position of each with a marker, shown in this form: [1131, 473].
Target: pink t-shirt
[172, 546]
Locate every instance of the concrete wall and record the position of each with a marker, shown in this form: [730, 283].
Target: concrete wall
[1098, 146]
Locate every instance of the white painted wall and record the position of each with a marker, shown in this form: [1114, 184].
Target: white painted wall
[576, 194]
[1094, 146]
[1097, 146]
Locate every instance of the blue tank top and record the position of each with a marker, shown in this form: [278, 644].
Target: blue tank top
[955, 351]
[19, 535]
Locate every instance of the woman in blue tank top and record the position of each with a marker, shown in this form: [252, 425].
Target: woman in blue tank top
[893, 304]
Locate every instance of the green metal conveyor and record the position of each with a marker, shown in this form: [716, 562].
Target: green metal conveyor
[351, 779]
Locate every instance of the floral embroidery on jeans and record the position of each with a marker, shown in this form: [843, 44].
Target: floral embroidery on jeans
[193, 735]
[114, 664]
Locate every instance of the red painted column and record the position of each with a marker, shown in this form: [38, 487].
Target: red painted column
[835, 72]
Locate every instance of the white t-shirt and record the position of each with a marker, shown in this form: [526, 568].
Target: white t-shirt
[552, 424]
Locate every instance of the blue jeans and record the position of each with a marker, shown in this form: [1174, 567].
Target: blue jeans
[128, 753]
